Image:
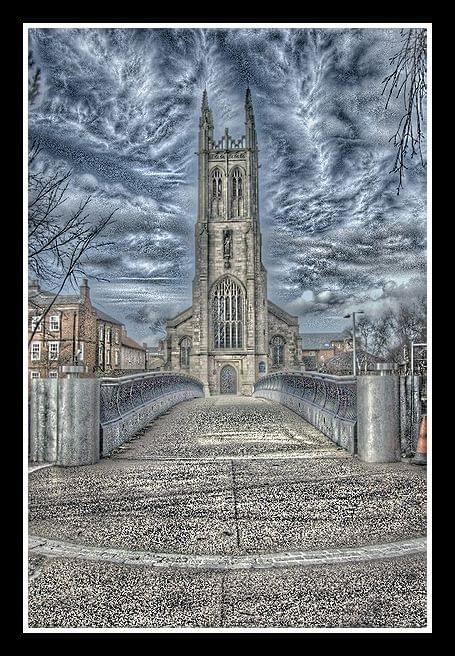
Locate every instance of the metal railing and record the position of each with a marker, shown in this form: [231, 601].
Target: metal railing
[334, 394]
[121, 397]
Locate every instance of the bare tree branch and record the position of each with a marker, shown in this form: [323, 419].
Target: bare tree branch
[58, 245]
[408, 80]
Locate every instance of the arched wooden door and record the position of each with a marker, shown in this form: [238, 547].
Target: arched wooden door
[228, 380]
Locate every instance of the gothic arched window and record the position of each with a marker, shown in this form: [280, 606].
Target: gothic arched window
[185, 349]
[277, 350]
[228, 314]
[217, 183]
[237, 184]
[236, 193]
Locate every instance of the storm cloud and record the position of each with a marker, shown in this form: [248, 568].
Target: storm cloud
[120, 108]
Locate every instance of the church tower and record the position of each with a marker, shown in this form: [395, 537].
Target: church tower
[223, 338]
[229, 288]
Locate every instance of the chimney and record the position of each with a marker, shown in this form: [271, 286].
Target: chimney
[33, 286]
[144, 344]
[84, 290]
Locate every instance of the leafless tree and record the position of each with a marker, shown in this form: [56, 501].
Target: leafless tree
[382, 335]
[390, 335]
[408, 80]
[34, 79]
[409, 323]
[365, 328]
[59, 241]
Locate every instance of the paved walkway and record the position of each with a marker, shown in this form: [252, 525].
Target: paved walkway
[219, 485]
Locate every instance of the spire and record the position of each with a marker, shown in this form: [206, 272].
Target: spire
[206, 114]
[205, 102]
[249, 105]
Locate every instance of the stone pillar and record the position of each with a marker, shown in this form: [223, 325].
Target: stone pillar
[378, 418]
[78, 421]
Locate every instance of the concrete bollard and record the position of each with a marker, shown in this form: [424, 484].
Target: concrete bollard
[43, 420]
[378, 418]
[78, 421]
[65, 421]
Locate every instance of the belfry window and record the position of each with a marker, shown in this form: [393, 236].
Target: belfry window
[236, 203]
[277, 350]
[217, 183]
[228, 314]
[237, 184]
[185, 349]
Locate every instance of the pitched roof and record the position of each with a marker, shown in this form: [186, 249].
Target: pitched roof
[179, 318]
[40, 298]
[342, 363]
[290, 319]
[106, 317]
[315, 341]
[127, 341]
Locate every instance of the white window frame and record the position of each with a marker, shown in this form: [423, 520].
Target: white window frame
[53, 374]
[34, 320]
[101, 332]
[116, 337]
[108, 335]
[116, 358]
[34, 375]
[32, 354]
[51, 319]
[51, 351]
[108, 358]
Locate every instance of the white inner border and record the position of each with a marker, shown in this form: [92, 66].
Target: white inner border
[215, 25]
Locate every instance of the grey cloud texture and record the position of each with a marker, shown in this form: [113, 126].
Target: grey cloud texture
[120, 108]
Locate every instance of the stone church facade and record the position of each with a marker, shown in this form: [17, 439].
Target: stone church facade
[231, 335]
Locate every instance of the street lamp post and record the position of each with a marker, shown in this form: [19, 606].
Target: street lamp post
[354, 361]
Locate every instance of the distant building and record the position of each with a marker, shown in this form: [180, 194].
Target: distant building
[65, 334]
[155, 357]
[132, 354]
[317, 348]
[341, 364]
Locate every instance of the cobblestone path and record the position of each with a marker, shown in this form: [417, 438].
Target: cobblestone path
[218, 486]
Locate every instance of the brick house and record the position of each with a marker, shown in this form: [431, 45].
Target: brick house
[108, 343]
[65, 334]
[132, 354]
[74, 331]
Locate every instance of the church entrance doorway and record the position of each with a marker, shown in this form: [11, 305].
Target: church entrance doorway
[228, 380]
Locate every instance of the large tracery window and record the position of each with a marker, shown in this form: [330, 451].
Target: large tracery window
[277, 350]
[228, 314]
[185, 349]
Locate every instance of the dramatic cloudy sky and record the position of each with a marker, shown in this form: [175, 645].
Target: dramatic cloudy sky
[120, 108]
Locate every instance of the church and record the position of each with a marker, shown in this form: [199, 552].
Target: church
[231, 335]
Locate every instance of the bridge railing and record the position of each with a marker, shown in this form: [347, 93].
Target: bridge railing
[327, 402]
[75, 421]
[129, 403]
